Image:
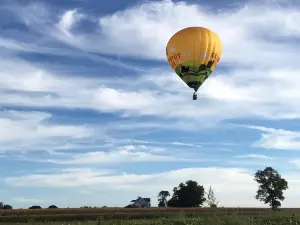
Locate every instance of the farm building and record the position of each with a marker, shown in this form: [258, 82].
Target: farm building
[142, 202]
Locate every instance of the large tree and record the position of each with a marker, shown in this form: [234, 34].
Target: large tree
[162, 198]
[271, 187]
[190, 194]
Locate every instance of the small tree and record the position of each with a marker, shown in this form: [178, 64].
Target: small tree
[162, 198]
[271, 187]
[211, 199]
[52, 207]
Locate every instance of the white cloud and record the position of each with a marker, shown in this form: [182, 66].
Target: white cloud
[68, 20]
[10, 44]
[47, 90]
[254, 156]
[277, 138]
[186, 144]
[176, 144]
[247, 163]
[23, 199]
[25, 129]
[135, 26]
[124, 155]
[233, 187]
[135, 148]
[296, 162]
[266, 90]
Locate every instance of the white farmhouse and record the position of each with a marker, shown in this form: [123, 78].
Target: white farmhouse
[142, 202]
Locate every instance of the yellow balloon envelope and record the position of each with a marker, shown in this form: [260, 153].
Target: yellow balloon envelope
[193, 54]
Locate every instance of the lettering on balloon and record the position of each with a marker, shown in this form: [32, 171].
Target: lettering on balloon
[215, 57]
[172, 59]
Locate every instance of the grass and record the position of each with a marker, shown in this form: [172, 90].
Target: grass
[219, 220]
[169, 216]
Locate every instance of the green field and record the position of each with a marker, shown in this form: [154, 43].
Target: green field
[172, 216]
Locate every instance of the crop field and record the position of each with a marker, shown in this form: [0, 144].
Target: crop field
[178, 216]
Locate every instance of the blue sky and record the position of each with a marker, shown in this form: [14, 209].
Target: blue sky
[92, 114]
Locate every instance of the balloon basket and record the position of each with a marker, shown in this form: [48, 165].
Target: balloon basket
[195, 96]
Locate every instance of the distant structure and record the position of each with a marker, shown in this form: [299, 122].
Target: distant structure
[141, 202]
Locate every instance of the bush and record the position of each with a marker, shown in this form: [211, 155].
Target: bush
[7, 207]
[52, 207]
[4, 206]
[35, 207]
[131, 206]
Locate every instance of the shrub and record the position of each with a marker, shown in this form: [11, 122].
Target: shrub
[35, 207]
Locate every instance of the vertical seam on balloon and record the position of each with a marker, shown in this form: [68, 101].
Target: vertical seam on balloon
[214, 46]
[198, 38]
[200, 43]
[200, 52]
[195, 34]
[206, 46]
[209, 47]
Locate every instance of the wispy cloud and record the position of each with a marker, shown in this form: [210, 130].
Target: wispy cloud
[21, 130]
[295, 162]
[186, 144]
[68, 20]
[253, 156]
[29, 200]
[240, 93]
[122, 156]
[277, 138]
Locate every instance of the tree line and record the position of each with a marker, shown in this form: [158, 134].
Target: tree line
[190, 194]
[5, 206]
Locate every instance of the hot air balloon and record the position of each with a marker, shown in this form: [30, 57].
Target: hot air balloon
[193, 54]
